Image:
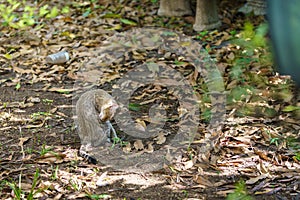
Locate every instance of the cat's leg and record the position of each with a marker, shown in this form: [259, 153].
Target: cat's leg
[111, 129]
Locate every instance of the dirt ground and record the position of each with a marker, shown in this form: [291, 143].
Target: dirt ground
[39, 141]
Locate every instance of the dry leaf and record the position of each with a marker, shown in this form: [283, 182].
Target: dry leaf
[138, 145]
[127, 148]
[262, 155]
[23, 140]
[262, 168]
[51, 158]
[202, 181]
[149, 148]
[160, 138]
[189, 164]
[102, 180]
[168, 156]
[140, 125]
[255, 179]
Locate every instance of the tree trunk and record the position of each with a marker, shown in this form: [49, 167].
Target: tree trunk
[174, 8]
[258, 7]
[206, 15]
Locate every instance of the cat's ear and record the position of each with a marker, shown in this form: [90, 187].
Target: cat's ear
[107, 105]
[113, 108]
[113, 104]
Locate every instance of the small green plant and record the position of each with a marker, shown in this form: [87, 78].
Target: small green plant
[98, 196]
[54, 173]
[233, 32]
[297, 156]
[274, 141]
[17, 190]
[253, 47]
[2, 184]
[293, 142]
[204, 104]
[77, 185]
[239, 93]
[7, 12]
[19, 193]
[202, 34]
[18, 86]
[250, 62]
[5, 104]
[48, 126]
[119, 141]
[128, 22]
[34, 183]
[177, 62]
[48, 13]
[206, 115]
[87, 12]
[134, 107]
[185, 193]
[240, 192]
[47, 101]
[45, 150]
[30, 15]
[205, 37]
[29, 150]
[38, 115]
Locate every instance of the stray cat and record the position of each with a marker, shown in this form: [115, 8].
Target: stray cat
[94, 109]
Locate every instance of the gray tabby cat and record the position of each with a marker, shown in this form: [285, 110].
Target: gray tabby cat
[94, 109]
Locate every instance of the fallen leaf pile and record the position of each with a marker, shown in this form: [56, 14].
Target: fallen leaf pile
[255, 143]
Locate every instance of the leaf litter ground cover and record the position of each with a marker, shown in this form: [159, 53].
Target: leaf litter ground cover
[258, 147]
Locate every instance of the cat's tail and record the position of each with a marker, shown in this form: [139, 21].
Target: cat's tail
[82, 153]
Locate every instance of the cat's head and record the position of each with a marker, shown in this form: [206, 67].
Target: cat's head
[108, 110]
